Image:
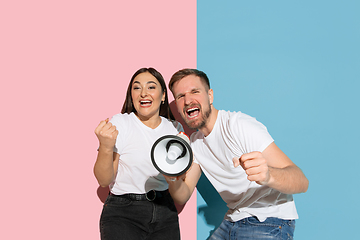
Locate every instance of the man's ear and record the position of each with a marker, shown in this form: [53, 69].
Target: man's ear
[211, 96]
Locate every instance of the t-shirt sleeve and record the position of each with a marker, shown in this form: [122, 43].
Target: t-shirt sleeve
[249, 134]
[119, 121]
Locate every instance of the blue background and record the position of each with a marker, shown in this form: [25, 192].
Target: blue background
[295, 66]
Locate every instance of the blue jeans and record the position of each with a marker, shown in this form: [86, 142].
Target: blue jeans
[251, 228]
[124, 218]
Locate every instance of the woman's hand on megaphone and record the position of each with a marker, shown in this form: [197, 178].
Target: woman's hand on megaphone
[107, 134]
[172, 180]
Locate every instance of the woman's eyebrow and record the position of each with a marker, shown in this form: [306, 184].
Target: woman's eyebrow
[151, 82]
[146, 82]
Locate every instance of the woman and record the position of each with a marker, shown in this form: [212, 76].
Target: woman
[139, 205]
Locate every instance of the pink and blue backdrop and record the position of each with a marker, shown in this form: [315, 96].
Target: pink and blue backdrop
[65, 65]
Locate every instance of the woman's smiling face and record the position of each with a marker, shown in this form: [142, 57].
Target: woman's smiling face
[147, 95]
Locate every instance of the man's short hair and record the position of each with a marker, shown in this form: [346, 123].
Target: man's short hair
[186, 72]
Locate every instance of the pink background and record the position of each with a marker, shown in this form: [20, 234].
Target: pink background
[64, 66]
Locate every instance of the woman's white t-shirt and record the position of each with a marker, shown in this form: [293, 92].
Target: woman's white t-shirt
[136, 173]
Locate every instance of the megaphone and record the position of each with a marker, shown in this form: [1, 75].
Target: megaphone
[172, 155]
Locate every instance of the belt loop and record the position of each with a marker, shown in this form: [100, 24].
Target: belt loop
[149, 198]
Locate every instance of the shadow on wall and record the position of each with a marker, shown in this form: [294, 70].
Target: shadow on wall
[102, 193]
[214, 209]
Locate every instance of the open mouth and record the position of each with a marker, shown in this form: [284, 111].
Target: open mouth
[193, 112]
[145, 103]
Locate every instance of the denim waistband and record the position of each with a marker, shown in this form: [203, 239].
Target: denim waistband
[149, 196]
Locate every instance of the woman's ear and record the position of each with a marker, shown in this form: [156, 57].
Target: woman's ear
[163, 97]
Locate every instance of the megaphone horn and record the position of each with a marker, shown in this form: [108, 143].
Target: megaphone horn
[172, 155]
[175, 150]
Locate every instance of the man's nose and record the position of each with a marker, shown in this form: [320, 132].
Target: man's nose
[187, 99]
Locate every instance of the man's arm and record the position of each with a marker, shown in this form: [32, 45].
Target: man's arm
[273, 168]
[182, 188]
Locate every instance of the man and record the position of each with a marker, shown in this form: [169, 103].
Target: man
[240, 159]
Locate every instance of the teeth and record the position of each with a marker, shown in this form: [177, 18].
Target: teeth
[191, 110]
[145, 102]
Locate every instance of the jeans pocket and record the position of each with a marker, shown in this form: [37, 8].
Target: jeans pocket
[271, 228]
[113, 207]
[291, 223]
[113, 201]
[270, 222]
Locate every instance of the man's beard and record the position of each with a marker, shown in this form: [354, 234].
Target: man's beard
[205, 116]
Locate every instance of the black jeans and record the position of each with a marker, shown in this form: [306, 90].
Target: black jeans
[124, 218]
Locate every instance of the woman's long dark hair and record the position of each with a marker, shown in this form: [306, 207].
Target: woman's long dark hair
[165, 110]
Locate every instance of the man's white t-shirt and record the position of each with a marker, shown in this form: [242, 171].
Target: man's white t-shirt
[136, 173]
[234, 134]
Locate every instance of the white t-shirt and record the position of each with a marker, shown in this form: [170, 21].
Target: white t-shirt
[234, 134]
[136, 173]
